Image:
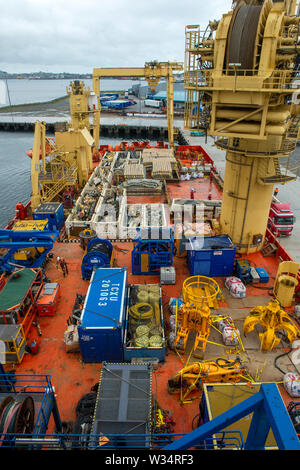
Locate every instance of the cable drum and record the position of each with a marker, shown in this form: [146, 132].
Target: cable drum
[16, 417]
[154, 297]
[149, 294]
[241, 44]
[142, 341]
[155, 330]
[155, 341]
[100, 247]
[142, 330]
[98, 254]
[143, 296]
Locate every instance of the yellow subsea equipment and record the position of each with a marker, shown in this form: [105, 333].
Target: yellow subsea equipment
[192, 376]
[272, 319]
[286, 282]
[240, 84]
[201, 291]
[192, 318]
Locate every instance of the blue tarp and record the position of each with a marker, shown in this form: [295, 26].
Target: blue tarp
[105, 300]
[117, 104]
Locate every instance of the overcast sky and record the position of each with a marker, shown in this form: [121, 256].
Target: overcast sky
[78, 35]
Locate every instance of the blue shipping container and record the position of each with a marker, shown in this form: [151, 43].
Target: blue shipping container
[211, 256]
[53, 211]
[101, 328]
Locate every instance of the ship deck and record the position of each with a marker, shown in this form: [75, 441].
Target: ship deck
[72, 378]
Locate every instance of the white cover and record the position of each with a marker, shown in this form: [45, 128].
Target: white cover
[291, 383]
[235, 287]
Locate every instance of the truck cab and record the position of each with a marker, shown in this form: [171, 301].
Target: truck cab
[281, 219]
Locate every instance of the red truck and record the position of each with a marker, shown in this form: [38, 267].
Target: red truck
[281, 219]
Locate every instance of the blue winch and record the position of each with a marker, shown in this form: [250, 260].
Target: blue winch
[150, 254]
[25, 248]
[98, 254]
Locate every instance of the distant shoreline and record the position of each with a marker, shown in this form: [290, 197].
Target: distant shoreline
[68, 78]
[27, 107]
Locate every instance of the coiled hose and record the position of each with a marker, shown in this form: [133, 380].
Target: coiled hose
[100, 247]
[141, 311]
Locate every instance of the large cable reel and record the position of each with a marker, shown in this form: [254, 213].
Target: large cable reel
[16, 416]
[98, 254]
[245, 34]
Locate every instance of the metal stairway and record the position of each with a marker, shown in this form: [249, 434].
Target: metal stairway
[51, 188]
[288, 146]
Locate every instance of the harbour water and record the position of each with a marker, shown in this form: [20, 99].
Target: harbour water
[15, 184]
[35, 91]
[14, 172]
[15, 165]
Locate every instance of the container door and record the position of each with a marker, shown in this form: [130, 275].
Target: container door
[112, 346]
[199, 263]
[218, 264]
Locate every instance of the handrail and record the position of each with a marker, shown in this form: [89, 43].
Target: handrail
[277, 80]
[269, 412]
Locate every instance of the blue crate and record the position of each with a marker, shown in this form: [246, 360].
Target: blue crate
[211, 256]
[263, 275]
[53, 212]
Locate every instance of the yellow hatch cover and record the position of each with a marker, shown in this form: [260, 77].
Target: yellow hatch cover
[27, 225]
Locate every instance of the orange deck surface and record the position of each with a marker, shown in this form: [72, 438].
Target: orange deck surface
[69, 375]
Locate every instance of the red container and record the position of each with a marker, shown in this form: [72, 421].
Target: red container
[48, 300]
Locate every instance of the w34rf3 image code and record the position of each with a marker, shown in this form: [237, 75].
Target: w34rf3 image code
[152, 459]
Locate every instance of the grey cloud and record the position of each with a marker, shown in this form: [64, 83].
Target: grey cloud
[72, 35]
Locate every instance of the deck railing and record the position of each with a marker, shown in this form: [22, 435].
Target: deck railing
[278, 80]
[229, 440]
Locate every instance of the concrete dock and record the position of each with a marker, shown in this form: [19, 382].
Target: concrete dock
[152, 126]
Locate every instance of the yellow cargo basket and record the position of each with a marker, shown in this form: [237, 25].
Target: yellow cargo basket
[201, 290]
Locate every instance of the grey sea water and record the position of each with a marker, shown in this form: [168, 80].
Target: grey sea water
[15, 182]
[35, 91]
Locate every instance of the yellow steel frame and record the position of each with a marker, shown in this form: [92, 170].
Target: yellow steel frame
[14, 346]
[153, 72]
[38, 152]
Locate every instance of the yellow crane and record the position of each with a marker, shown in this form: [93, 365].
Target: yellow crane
[153, 72]
[57, 166]
[240, 83]
[83, 104]
[51, 171]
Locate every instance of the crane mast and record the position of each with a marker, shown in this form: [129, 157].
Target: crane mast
[241, 78]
